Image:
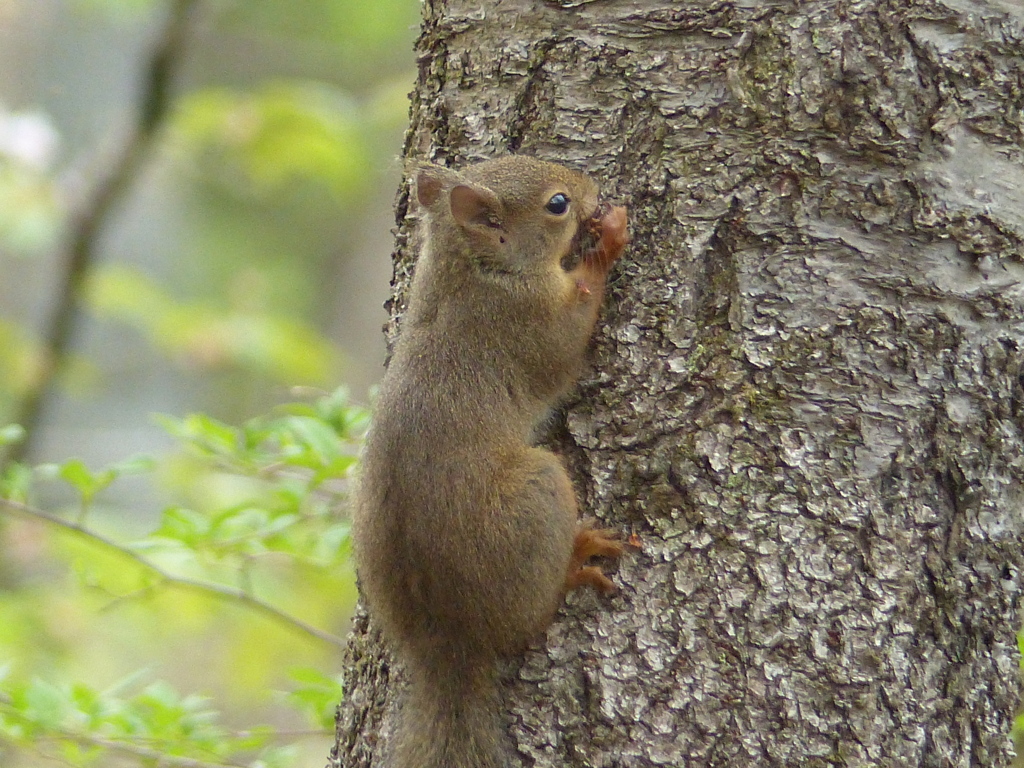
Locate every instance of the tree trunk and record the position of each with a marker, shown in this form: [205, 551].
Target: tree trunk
[805, 400]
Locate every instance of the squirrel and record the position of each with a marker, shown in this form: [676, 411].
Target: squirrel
[465, 533]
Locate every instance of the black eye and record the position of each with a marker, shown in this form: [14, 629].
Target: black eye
[558, 204]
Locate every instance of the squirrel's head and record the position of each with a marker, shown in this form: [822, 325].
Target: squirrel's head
[512, 215]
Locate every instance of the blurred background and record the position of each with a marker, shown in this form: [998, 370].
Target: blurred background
[250, 253]
[226, 186]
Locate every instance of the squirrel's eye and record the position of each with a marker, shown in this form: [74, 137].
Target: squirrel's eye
[558, 204]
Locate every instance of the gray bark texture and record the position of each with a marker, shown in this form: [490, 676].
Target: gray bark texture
[806, 399]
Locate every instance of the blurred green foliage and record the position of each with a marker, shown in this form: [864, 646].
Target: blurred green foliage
[288, 132]
[258, 527]
[84, 726]
[276, 346]
[202, 629]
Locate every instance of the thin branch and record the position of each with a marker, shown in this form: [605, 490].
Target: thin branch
[93, 211]
[211, 589]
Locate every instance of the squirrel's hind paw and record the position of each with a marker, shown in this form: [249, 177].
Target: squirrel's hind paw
[592, 542]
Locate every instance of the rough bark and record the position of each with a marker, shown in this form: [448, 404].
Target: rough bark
[806, 397]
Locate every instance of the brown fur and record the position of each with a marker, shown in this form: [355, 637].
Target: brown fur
[466, 534]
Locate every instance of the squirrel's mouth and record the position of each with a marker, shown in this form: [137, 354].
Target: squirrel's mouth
[599, 239]
[586, 243]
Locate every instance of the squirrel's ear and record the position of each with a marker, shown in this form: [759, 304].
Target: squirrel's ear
[474, 206]
[431, 181]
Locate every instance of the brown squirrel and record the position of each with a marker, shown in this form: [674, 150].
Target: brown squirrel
[466, 534]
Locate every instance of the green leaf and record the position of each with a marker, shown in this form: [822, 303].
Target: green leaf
[316, 694]
[204, 432]
[85, 482]
[350, 420]
[44, 704]
[315, 436]
[184, 525]
[16, 482]
[76, 473]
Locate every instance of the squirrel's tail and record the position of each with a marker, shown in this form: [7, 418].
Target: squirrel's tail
[451, 716]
